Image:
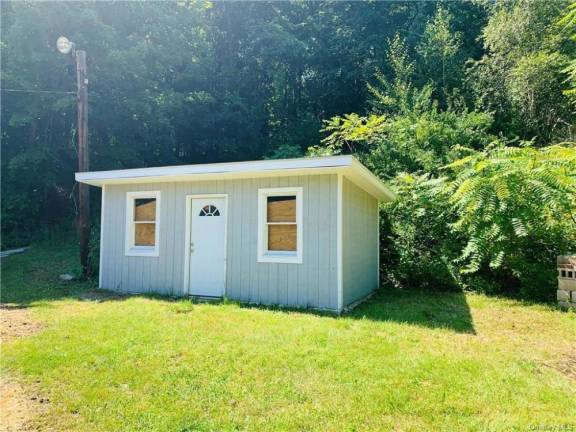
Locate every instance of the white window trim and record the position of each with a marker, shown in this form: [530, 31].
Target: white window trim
[282, 257]
[130, 248]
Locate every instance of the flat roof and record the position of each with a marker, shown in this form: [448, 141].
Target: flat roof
[346, 165]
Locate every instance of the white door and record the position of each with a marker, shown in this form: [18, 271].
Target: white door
[207, 247]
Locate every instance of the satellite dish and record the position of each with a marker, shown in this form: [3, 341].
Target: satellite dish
[64, 45]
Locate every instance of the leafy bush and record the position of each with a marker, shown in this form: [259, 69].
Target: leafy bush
[474, 213]
[517, 208]
[494, 224]
[418, 247]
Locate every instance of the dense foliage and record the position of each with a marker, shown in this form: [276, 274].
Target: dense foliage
[177, 82]
[467, 108]
[485, 173]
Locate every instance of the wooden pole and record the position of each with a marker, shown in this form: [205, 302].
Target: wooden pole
[83, 162]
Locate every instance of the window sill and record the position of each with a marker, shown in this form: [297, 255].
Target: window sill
[280, 258]
[142, 252]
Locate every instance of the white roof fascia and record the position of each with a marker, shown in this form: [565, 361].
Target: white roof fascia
[370, 183]
[346, 165]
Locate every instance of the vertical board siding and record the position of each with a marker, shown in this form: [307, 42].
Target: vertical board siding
[323, 238]
[360, 242]
[302, 276]
[310, 284]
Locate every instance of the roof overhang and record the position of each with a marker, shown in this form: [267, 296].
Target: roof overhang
[347, 165]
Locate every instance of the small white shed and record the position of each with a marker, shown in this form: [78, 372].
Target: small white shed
[292, 232]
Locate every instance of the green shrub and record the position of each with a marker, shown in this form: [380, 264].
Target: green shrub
[418, 247]
[516, 207]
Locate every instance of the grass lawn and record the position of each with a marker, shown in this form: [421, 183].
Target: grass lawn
[403, 361]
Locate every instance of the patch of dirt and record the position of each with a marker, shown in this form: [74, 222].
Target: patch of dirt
[15, 321]
[566, 365]
[17, 406]
[17, 410]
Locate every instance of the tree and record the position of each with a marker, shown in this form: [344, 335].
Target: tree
[520, 77]
[440, 54]
[134, 67]
[198, 82]
[406, 130]
[567, 24]
[473, 210]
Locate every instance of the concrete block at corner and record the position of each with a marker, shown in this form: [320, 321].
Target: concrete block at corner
[562, 295]
[564, 304]
[567, 284]
[566, 261]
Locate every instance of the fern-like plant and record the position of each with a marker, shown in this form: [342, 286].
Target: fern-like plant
[505, 195]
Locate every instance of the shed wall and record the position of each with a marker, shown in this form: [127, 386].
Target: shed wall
[310, 284]
[360, 272]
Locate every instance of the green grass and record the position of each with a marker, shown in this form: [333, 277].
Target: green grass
[403, 361]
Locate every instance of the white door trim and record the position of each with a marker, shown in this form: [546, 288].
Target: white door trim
[188, 234]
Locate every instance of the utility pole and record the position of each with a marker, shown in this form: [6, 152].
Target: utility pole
[83, 162]
[67, 47]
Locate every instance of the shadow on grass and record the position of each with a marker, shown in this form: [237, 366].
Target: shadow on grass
[447, 310]
[32, 277]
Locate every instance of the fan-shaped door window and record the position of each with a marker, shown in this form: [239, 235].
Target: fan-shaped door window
[209, 210]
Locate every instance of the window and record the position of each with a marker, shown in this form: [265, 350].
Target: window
[142, 223]
[280, 225]
[209, 210]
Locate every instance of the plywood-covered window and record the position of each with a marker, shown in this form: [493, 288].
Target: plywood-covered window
[280, 225]
[142, 223]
